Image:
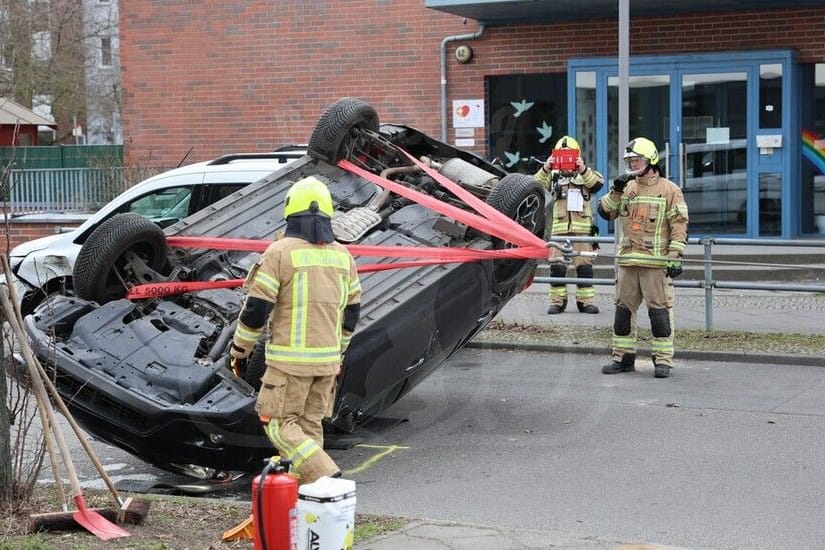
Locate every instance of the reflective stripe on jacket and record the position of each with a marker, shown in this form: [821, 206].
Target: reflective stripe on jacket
[654, 220]
[310, 286]
[564, 222]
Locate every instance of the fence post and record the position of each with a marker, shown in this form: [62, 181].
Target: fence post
[707, 242]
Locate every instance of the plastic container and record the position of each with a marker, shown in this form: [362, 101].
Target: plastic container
[326, 514]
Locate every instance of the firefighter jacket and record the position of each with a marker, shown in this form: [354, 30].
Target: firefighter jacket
[309, 285]
[570, 218]
[654, 220]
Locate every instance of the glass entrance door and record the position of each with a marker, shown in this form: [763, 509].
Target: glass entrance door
[724, 130]
[649, 108]
[713, 152]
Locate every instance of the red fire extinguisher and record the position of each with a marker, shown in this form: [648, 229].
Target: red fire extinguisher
[274, 507]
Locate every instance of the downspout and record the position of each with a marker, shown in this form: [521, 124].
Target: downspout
[443, 51]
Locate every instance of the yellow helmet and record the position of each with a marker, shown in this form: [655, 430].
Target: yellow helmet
[566, 142]
[308, 196]
[644, 148]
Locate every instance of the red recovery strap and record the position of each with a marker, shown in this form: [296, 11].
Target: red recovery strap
[486, 210]
[157, 290]
[379, 251]
[505, 230]
[491, 221]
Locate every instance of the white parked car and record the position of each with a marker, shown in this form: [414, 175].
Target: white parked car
[44, 266]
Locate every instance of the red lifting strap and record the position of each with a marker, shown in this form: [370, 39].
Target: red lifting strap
[490, 221]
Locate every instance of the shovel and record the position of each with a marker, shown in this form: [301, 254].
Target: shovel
[89, 519]
[131, 511]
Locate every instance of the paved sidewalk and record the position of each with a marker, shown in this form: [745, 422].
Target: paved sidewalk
[742, 310]
[748, 310]
[441, 535]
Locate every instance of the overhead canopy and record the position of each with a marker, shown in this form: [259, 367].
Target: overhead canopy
[14, 113]
[502, 12]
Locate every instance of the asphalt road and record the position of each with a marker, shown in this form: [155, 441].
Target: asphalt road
[721, 455]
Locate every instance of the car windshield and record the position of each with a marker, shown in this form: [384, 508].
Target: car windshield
[166, 203]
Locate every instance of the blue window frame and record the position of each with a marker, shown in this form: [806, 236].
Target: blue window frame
[761, 171]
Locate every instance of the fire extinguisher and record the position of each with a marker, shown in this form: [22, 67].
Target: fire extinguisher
[274, 507]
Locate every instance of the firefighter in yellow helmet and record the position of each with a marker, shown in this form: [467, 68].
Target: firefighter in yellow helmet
[305, 289]
[572, 184]
[653, 222]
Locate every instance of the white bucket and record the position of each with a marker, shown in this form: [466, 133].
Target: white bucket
[326, 514]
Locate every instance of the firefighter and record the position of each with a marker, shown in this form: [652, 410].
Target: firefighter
[654, 220]
[305, 289]
[572, 183]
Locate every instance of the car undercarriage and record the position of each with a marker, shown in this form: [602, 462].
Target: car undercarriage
[150, 375]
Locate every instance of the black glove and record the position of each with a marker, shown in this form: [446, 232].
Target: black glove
[673, 269]
[621, 181]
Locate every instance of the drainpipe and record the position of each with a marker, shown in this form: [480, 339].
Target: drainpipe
[447, 40]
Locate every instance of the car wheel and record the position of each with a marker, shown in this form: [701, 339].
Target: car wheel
[104, 269]
[334, 137]
[256, 366]
[521, 198]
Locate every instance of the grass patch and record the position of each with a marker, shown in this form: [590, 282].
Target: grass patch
[173, 522]
[690, 339]
[369, 526]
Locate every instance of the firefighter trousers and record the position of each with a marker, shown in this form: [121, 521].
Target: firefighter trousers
[655, 288]
[292, 409]
[585, 293]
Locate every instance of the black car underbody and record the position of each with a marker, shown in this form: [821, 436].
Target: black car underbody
[150, 376]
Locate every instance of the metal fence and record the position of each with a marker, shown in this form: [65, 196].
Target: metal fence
[68, 189]
[61, 156]
[707, 282]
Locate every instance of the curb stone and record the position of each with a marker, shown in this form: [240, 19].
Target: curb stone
[697, 355]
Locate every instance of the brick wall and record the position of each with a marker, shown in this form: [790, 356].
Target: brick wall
[244, 75]
[18, 232]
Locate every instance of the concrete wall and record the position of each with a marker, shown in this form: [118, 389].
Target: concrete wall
[250, 75]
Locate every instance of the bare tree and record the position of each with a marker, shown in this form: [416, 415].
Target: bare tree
[6, 473]
[52, 52]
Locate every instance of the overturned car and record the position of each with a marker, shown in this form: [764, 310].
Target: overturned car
[150, 376]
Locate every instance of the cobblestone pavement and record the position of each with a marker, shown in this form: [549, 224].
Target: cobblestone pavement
[749, 310]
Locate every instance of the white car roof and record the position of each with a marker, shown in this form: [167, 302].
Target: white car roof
[228, 169]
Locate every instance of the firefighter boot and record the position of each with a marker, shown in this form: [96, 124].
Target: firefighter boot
[585, 293]
[587, 308]
[627, 364]
[555, 309]
[661, 371]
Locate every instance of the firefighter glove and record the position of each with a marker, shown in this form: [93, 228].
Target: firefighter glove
[620, 182]
[673, 269]
[236, 365]
[237, 352]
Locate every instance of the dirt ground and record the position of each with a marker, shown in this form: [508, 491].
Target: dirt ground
[173, 523]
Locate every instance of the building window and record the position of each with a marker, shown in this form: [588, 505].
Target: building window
[813, 149]
[106, 51]
[6, 55]
[42, 45]
[527, 115]
[770, 96]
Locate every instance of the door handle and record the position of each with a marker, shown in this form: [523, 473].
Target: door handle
[682, 164]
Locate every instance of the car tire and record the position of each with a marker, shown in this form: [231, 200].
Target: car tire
[521, 198]
[99, 263]
[256, 366]
[332, 139]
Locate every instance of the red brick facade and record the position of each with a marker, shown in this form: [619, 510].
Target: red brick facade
[21, 232]
[251, 75]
